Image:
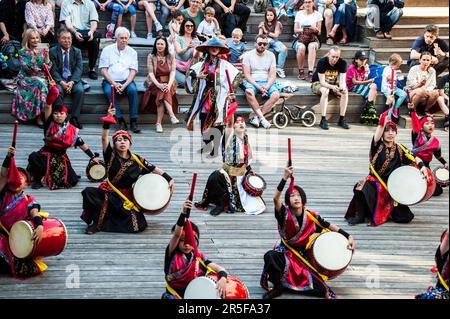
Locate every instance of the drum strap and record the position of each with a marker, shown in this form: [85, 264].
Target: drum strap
[313, 238]
[4, 228]
[444, 284]
[128, 205]
[408, 154]
[172, 291]
[380, 180]
[137, 160]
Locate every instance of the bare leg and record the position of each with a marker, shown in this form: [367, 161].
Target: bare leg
[372, 92]
[301, 52]
[169, 109]
[334, 30]
[328, 15]
[251, 99]
[324, 100]
[133, 22]
[119, 20]
[442, 105]
[270, 103]
[312, 52]
[343, 102]
[159, 113]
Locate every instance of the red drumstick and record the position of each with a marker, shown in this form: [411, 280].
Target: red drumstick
[112, 94]
[233, 105]
[191, 194]
[409, 96]
[289, 153]
[16, 125]
[110, 119]
[47, 72]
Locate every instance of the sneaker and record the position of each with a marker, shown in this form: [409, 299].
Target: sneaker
[109, 31]
[324, 124]
[280, 73]
[133, 34]
[255, 121]
[149, 36]
[310, 76]
[265, 123]
[158, 26]
[174, 120]
[159, 128]
[109, 35]
[342, 123]
[301, 75]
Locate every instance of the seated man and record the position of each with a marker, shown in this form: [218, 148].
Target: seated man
[430, 42]
[12, 20]
[383, 15]
[260, 73]
[330, 77]
[81, 19]
[119, 66]
[67, 66]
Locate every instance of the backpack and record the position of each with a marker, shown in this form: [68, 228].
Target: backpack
[11, 52]
[260, 6]
[376, 71]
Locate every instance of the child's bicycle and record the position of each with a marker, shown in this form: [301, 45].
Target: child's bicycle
[297, 113]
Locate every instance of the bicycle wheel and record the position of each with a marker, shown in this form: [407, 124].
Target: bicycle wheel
[280, 120]
[308, 118]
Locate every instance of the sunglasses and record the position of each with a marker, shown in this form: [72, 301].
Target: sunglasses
[262, 43]
[189, 26]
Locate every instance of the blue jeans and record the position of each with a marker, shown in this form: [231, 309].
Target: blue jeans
[276, 45]
[401, 97]
[388, 20]
[132, 94]
[164, 14]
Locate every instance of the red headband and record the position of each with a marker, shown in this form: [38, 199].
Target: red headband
[389, 122]
[239, 119]
[425, 119]
[121, 133]
[62, 108]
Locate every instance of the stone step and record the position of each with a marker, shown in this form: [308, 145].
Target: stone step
[395, 42]
[409, 3]
[384, 53]
[416, 15]
[411, 30]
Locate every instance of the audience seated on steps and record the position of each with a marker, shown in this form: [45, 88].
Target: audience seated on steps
[118, 8]
[12, 20]
[382, 15]
[39, 15]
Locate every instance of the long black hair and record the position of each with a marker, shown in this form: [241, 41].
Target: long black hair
[166, 50]
[287, 196]
[182, 27]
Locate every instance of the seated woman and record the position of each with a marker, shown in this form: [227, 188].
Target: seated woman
[425, 144]
[104, 208]
[224, 187]
[39, 16]
[118, 8]
[284, 8]
[345, 17]
[16, 206]
[422, 83]
[183, 262]
[32, 84]
[371, 200]
[161, 85]
[51, 165]
[296, 225]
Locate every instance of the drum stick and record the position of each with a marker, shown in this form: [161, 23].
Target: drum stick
[289, 153]
[16, 125]
[229, 81]
[392, 83]
[112, 94]
[47, 72]
[191, 194]
[409, 96]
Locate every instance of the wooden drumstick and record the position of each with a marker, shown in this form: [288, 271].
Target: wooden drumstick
[16, 126]
[191, 194]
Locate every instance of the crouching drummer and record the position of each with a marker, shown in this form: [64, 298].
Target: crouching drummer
[184, 263]
[16, 206]
[110, 207]
[286, 265]
[224, 186]
[371, 200]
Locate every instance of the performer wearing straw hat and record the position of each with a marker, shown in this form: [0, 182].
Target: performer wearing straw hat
[108, 207]
[224, 187]
[51, 164]
[211, 90]
[285, 265]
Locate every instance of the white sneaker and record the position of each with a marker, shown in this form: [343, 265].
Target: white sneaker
[149, 36]
[280, 73]
[159, 128]
[133, 34]
[265, 123]
[174, 120]
[255, 121]
[158, 26]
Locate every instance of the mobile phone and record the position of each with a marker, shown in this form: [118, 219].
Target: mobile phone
[43, 45]
[307, 26]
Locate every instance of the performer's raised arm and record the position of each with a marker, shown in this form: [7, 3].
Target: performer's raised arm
[4, 173]
[277, 199]
[176, 235]
[106, 126]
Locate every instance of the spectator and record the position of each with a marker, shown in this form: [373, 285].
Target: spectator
[272, 28]
[358, 82]
[174, 29]
[386, 14]
[209, 27]
[161, 86]
[327, 9]
[119, 66]
[39, 16]
[231, 15]
[185, 45]
[66, 72]
[443, 92]
[329, 78]
[307, 26]
[150, 7]
[81, 18]
[169, 7]
[430, 42]
[344, 17]
[284, 8]
[389, 86]
[194, 11]
[260, 74]
[31, 92]
[12, 20]
[237, 48]
[422, 83]
[118, 8]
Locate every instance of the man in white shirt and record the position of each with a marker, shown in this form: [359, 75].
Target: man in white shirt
[260, 73]
[119, 66]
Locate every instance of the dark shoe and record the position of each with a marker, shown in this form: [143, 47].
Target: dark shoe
[37, 185]
[122, 125]
[203, 206]
[217, 210]
[134, 128]
[357, 219]
[324, 124]
[90, 230]
[93, 75]
[275, 292]
[74, 122]
[342, 123]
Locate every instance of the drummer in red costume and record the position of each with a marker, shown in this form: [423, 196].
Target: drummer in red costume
[51, 163]
[425, 145]
[16, 206]
[371, 199]
[104, 208]
[295, 225]
[183, 262]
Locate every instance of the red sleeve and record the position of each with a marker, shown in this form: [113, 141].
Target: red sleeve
[415, 123]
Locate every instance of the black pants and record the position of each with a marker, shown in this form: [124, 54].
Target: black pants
[228, 23]
[211, 135]
[92, 47]
[77, 97]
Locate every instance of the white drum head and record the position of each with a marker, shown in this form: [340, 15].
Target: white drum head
[331, 252]
[97, 171]
[20, 239]
[256, 182]
[151, 192]
[441, 174]
[406, 185]
[201, 288]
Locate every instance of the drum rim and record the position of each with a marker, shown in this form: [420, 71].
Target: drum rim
[146, 209]
[202, 278]
[404, 168]
[243, 284]
[435, 172]
[333, 234]
[261, 178]
[31, 228]
[65, 232]
[90, 165]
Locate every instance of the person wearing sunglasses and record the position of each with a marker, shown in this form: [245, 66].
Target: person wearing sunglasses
[260, 73]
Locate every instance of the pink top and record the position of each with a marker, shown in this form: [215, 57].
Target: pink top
[39, 16]
[354, 73]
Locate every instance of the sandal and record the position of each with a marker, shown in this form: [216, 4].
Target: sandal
[330, 40]
[379, 35]
[343, 41]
